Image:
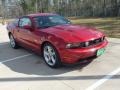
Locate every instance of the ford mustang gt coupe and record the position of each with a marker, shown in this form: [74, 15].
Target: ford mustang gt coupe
[56, 39]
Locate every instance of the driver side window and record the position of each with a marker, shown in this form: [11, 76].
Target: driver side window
[24, 21]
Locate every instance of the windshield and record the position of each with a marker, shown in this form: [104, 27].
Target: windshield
[49, 21]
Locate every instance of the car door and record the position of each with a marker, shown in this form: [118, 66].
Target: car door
[22, 33]
[28, 38]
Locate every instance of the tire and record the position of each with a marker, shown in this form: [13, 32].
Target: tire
[13, 43]
[51, 56]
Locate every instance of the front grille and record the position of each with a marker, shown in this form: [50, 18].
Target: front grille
[92, 42]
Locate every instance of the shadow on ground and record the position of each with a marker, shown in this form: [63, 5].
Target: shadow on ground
[34, 64]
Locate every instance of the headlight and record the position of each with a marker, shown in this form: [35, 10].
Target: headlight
[73, 45]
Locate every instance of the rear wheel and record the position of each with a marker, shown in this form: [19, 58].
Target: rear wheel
[51, 56]
[13, 42]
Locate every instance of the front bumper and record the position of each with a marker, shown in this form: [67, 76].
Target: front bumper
[74, 55]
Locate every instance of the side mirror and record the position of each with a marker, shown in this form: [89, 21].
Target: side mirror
[28, 27]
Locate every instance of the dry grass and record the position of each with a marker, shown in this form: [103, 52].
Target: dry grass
[3, 21]
[111, 26]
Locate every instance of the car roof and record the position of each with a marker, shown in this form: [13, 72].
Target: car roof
[40, 14]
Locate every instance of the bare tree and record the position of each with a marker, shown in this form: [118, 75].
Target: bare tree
[86, 8]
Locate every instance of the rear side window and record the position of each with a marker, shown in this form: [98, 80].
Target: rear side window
[24, 22]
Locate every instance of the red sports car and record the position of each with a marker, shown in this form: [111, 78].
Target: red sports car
[56, 39]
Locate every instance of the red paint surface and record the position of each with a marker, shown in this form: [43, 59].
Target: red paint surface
[59, 36]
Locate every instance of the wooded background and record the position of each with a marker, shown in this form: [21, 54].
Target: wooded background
[101, 14]
[82, 8]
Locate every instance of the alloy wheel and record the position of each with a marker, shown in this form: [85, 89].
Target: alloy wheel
[49, 55]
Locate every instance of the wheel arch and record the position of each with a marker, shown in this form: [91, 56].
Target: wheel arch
[9, 33]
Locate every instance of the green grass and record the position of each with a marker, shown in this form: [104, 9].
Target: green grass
[111, 26]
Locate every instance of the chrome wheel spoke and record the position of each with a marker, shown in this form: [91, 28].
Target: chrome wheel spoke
[53, 53]
[49, 49]
[46, 53]
[53, 59]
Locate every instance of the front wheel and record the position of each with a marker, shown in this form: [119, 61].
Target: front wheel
[51, 56]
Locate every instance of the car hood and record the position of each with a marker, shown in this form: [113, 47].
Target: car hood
[75, 33]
